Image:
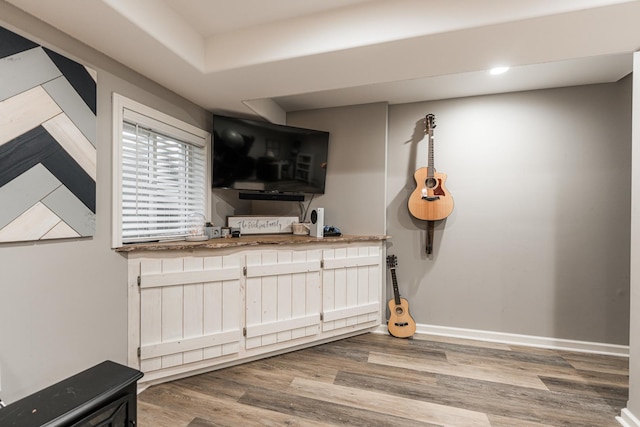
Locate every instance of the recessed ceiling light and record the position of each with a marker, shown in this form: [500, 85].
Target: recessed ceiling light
[498, 70]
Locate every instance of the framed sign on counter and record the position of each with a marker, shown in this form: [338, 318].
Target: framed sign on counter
[262, 224]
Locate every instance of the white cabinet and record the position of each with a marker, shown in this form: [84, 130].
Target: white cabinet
[282, 293]
[351, 283]
[190, 311]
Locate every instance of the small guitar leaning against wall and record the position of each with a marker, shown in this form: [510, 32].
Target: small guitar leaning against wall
[430, 201]
[400, 324]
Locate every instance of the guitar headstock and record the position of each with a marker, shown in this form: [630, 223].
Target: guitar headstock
[392, 261]
[429, 122]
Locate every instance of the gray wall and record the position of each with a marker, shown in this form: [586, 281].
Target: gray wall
[355, 198]
[538, 241]
[63, 304]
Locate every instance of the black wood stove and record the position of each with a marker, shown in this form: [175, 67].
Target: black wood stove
[101, 396]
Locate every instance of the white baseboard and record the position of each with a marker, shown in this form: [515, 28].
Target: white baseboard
[627, 419]
[517, 339]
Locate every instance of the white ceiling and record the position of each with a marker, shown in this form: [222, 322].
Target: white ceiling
[225, 55]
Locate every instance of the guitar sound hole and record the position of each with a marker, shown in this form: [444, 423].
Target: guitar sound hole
[399, 310]
[431, 183]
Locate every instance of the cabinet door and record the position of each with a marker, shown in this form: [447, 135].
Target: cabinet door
[351, 287]
[282, 296]
[189, 310]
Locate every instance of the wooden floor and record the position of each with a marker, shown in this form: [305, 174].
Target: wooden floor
[378, 380]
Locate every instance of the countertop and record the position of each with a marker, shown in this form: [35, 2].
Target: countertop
[251, 240]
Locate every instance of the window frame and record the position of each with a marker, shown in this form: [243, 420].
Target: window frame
[125, 108]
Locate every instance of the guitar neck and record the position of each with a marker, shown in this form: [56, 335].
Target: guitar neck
[396, 292]
[430, 160]
[430, 123]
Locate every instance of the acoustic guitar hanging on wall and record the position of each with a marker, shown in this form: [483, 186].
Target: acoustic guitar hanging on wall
[430, 201]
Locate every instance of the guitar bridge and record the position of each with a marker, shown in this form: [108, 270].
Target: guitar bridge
[430, 198]
[402, 324]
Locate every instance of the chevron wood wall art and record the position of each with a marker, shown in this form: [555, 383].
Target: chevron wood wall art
[47, 143]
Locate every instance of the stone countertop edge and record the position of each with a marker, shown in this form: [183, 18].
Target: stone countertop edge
[252, 240]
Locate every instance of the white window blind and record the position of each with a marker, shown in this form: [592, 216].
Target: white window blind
[163, 184]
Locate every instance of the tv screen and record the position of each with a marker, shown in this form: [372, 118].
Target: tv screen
[250, 155]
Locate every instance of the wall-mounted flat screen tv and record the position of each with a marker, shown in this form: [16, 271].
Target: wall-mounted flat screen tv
[254, 156]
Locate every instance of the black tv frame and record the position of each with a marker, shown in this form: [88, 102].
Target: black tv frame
[272, 194]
